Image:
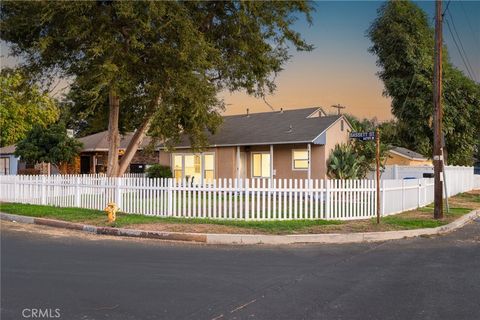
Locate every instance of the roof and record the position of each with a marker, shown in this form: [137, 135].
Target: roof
[278, 127]
[7, 149]
[407, 153]
[99, 141]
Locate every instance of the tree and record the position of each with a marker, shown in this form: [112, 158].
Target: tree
[51, 145]
[344, 163]
[366, 150]
[22, 105]
[403, 41]
[169, 60]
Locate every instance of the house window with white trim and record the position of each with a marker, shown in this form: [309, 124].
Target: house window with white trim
[196, 167]
[300, 159]
[260, 165]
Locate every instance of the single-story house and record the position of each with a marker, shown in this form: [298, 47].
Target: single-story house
[281, 144]
[94, 155]
[92, 158]
[11, 164]
[405, 157]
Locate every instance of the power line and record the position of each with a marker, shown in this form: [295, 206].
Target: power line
[469, 24]
[461, 49]
[446, 8]
[460, 41]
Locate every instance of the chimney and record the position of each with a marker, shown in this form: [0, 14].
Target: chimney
[248, 112]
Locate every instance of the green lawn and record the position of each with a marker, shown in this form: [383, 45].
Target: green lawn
[99, 218]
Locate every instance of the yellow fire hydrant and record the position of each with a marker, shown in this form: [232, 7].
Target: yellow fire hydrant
[111, 211]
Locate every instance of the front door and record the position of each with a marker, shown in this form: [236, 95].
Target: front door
[85, 164]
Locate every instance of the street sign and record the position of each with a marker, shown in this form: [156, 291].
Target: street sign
[364, 136]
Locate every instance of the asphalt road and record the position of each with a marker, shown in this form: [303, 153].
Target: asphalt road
[94, 277]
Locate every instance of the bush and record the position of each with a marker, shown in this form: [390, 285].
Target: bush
[159, 171]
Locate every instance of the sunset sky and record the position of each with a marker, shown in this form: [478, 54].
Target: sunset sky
[340, 70]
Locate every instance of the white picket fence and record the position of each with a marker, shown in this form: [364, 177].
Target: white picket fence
[256, 199]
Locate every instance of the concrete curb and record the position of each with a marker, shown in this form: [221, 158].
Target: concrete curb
[244, 239]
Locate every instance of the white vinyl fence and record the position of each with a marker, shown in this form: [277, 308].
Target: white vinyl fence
[256, 199]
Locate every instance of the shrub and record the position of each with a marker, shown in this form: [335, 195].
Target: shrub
[344, 163]
[159, 171]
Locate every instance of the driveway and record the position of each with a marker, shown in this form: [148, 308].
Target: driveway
[98, 277]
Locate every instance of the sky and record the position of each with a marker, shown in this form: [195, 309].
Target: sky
[340, 70]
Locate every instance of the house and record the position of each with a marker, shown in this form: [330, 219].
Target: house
[283, 144]
[8, 161]
[94, 154]
[406, 157]
[92, 158]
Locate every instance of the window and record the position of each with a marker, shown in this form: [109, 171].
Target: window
[261, 165]
[177, 166]
[5, 166]
[208, 167]
[199, 167]
[300, 159]
[342, 125]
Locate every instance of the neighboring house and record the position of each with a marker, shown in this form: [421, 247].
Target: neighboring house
[8, 161]
[92, 159]
[282, 144]
[405, 157]
[94, 154]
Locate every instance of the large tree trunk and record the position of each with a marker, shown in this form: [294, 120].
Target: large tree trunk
[133, 146]
[113, 134]
[137, 138]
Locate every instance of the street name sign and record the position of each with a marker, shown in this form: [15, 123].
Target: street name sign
[364, 136]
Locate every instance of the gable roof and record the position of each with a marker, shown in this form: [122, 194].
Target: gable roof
[99, 141]
[278, 127]
[407, 153]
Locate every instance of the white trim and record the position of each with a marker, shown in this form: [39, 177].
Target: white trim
[341, 117]
[293, 159]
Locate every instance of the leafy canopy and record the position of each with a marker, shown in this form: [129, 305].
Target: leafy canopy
[179, 53]
[21, 107]
[403, 42]
[50, 145]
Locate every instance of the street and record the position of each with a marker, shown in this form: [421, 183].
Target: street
[94, 277]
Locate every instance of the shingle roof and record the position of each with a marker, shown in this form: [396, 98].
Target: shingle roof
[408, 153]
[99, 141]
[8, 149]
[289, 126]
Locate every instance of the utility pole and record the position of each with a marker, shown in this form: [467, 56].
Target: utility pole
[437, 114]
[338, 107]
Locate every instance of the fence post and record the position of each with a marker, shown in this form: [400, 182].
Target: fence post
[77, 192]
[169, 195]
[327, 199]
[403, 195]
[383, 197]
[15, 188]
[118, 192]
[44, 190]
[419, 186]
